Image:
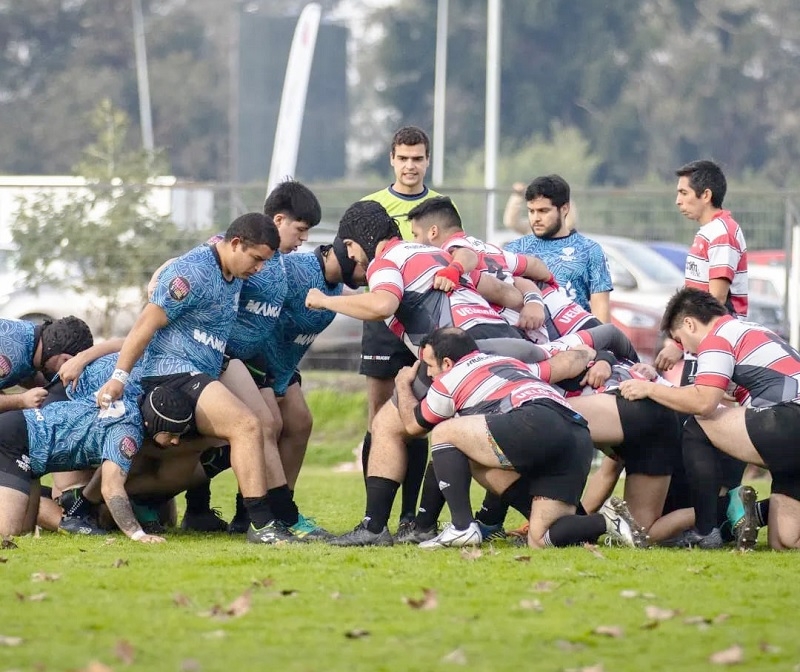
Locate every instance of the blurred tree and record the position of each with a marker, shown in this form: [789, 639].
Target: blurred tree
[104, 235]
[60, 57]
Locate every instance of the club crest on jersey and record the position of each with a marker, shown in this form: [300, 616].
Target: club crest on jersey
[128, 446]
[5, 366]
[568, 254]
[179, 288]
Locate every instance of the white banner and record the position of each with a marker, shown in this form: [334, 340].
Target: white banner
[293, 97]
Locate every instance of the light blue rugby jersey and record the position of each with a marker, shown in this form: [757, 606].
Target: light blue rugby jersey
[17, 344]
[74, 435]
[96, 374]
[577, 262]
[298, 326]
[201, 306]
[260, 304]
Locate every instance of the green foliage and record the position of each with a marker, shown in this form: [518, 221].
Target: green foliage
[566, 152]
[99, 237]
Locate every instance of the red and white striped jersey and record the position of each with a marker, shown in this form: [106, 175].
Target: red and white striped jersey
[719, 251]
[750, 362]
[479, 384]
[407, 270]
[564, 316]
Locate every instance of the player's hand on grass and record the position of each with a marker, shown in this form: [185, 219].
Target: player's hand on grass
[151, 539]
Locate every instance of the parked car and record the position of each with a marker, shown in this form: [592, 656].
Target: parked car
[674, 253]
[49, 302]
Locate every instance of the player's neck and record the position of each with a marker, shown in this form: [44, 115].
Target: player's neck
[403, 190]
[709, 216]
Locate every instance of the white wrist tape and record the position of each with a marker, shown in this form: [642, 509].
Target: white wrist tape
[120, 375]
[138, 535]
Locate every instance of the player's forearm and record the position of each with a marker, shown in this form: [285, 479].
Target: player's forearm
[498, 292]
[536, 269]
[406, 405]
[689, 399]
[567, 364]
[367, 307]
[601, 309]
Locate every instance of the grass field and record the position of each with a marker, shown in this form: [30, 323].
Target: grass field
[211, 602]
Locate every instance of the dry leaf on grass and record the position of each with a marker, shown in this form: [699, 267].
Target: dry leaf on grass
[592, 548]
[614, 631]
[427, 602]
[471, 553]
[336, 595]
[356, 633]
[766, 647]
[697, 570]
[655, 613]
[96, 666]
[720, 618]
[180, 600]
[522, 558]
[190, 665]
[215, 634]
[591, 668]
[731, 656]
[8, 544]
[569, 647]
[3, 561]
[239, 607]
[120, 562]
[5, 640]
[457, 656]
[36, 597]
[263, 583]
[544, 586]
[629, 594]
[124, 650]
[109, 541]
[533, 605]
[41, 576]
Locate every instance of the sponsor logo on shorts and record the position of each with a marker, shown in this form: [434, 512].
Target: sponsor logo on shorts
[179, 288]
[128, 446]
[24, 463]
[5, 366]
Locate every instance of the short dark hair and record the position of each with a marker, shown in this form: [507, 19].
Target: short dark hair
[254, 228]
[440, 209]
[691, 302]
[451, 342]
[411, 135]
[553, 187]
[295, 200]
[705, 174]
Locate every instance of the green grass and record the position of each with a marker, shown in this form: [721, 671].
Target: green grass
[509, 609]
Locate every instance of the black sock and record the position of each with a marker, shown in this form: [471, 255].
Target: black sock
[493, 510]
[518, 497]
[574, 530]
[366, 446]
[198, 498]
[259, 510]
[241, 511]
[281, 502]
[417, 450]
[699, 458]
[454, 476]
[431, 501]
[762, 512]
[380, 498]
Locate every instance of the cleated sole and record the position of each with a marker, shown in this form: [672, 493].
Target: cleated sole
[746, 531]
